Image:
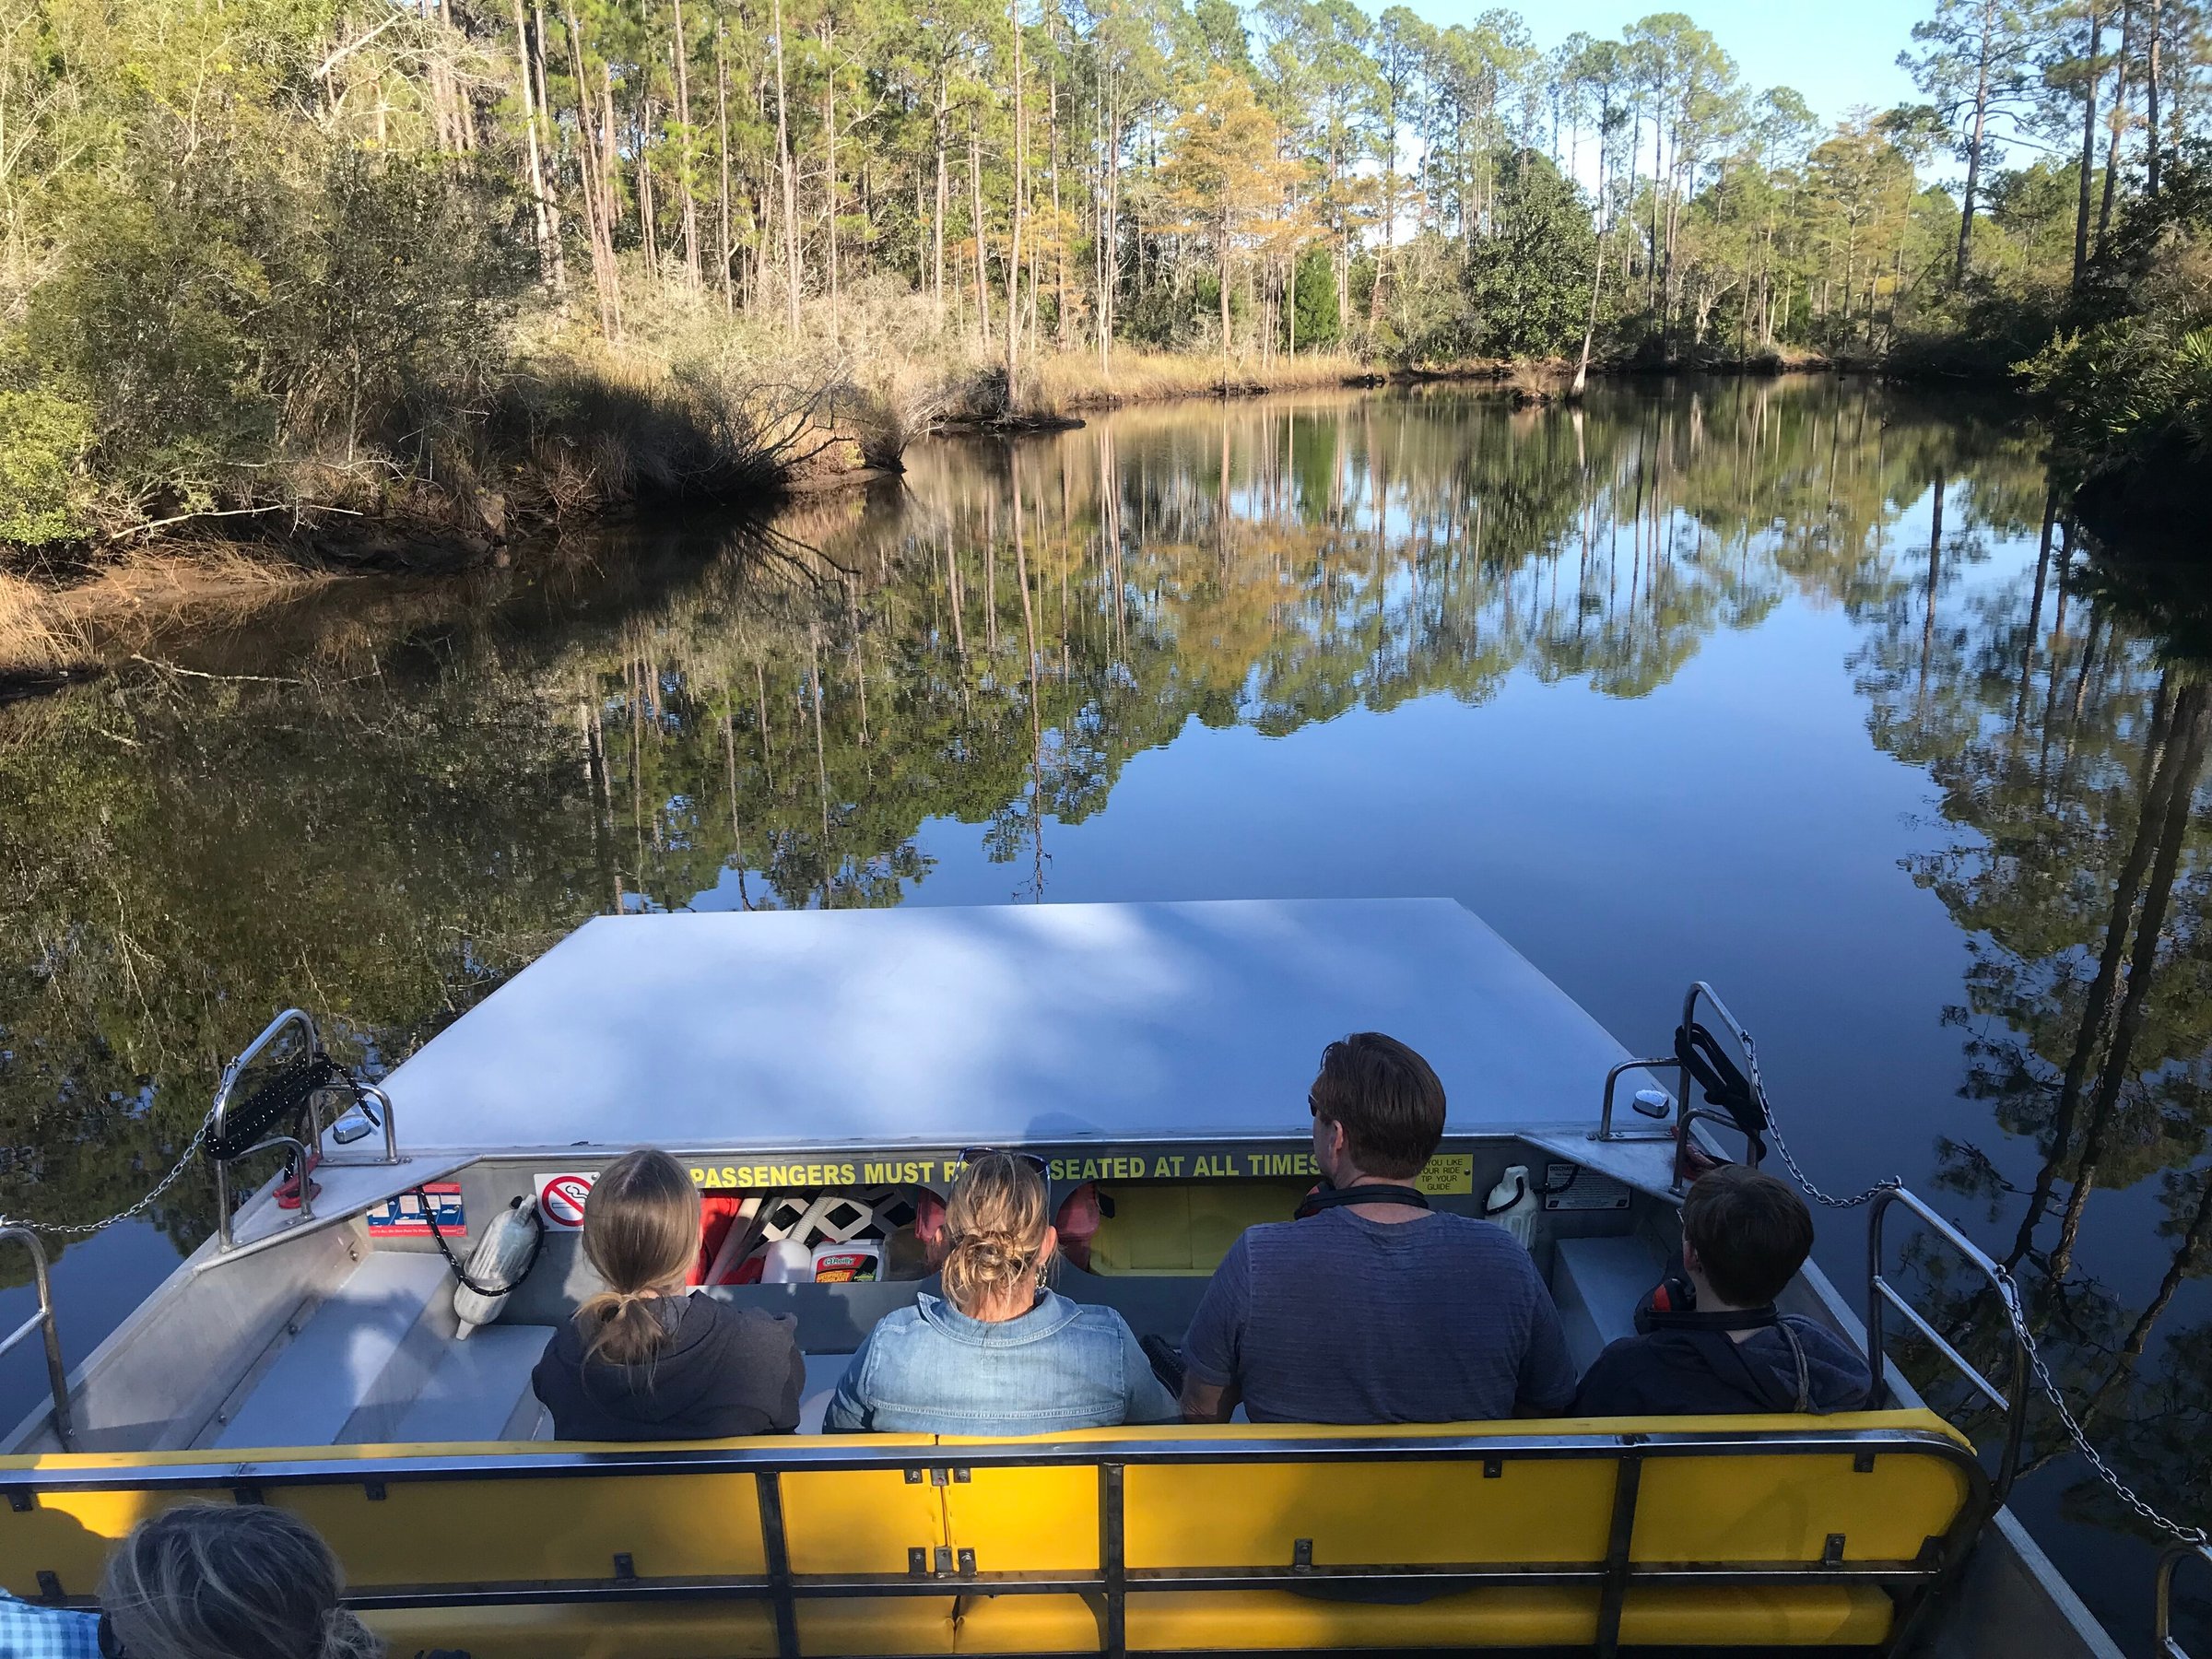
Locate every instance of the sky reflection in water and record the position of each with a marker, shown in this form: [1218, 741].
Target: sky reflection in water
[1694, 684]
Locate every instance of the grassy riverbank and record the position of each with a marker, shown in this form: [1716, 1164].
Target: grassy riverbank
[564, 430]
[399, 291]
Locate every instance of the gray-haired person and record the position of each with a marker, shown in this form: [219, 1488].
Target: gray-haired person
[204, 1581]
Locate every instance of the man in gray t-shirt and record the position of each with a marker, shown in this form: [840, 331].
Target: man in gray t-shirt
[1382, 1312]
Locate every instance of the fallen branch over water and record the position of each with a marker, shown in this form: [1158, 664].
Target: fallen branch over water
[226, 513]
[243, 679]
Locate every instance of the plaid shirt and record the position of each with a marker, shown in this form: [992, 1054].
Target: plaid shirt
[27, 1632]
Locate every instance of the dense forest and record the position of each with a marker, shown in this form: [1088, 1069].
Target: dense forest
[516, 257]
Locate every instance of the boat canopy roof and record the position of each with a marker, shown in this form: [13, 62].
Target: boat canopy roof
[771, 1033]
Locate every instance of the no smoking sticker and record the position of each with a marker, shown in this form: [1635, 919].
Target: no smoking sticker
[561, 1198]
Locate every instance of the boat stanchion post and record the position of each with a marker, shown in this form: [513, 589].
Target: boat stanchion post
[57, 1374]
[2164, 1641]
[1881, 1296]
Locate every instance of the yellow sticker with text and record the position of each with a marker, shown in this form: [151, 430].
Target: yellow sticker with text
[1451, 1173]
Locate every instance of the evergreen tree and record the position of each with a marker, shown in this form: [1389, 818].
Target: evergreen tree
[1527, 282]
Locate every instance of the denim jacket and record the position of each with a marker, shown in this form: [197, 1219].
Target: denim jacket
[932, 1370]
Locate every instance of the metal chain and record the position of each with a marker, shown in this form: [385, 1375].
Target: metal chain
[82, 1229]
[345, 1079]
[1789, 1159]
[2009, 1291]
[2014, 1309]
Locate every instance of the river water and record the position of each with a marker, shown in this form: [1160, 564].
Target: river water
[1795, 686]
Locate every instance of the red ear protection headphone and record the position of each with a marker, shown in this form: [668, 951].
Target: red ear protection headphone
[1673, 1306]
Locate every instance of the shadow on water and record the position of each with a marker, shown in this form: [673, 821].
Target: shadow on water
[1076, 666]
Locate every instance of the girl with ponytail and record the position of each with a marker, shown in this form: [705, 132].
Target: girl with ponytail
[1000, 1353]
[644, 1358]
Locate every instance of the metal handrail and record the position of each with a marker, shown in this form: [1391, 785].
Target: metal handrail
[237, 1068]
[1606, 1130]
[224, 1089]
[229, 1086]
[57, 1374]
[383, 1116]
[222, 1187]
[1881, 1294]
[384, 1103]
[1689, 1009]
[1685, 1113]
[2162, 1615]
[1754, 1149]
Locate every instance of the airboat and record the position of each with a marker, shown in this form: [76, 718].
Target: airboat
[820, 1073]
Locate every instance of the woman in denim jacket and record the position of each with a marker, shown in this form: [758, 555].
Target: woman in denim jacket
[1000, 1353]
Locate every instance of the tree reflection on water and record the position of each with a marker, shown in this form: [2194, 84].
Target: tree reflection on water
[2070, 755]
[380, 801]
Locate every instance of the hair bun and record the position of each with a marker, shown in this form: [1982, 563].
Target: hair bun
[995, 1224]
[995, 1254]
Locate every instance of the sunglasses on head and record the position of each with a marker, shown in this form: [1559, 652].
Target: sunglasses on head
[973, 1154]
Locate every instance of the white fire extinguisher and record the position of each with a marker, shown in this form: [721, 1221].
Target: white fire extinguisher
[501, 1260]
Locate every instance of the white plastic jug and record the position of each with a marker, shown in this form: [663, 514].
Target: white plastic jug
[1513, 1204]
[787, 1262]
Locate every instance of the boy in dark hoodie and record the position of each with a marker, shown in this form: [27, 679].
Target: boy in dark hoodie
[1744, 1236]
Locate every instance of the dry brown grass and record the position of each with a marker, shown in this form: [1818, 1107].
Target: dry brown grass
[1534, 382]
[1065, 383]
[34, 637]
[107, 613]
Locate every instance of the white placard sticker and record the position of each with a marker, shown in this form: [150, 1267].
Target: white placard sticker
[560, 1198]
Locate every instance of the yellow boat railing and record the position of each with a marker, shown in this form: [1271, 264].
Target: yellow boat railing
[1715, 1531]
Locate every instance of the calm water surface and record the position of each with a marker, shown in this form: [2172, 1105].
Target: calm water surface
[1797, 688]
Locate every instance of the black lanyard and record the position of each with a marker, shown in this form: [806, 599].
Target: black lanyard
[1326, 1197]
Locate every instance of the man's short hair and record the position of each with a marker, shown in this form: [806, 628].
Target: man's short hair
[1385, 1099]
[1751, 1233]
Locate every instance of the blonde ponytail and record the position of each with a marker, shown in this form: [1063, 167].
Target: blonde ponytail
[995, 1225]
[641, 1232]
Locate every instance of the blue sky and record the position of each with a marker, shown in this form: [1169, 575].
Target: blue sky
[1838, 55]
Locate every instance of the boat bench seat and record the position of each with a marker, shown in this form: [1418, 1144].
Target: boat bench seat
[378, 1361]
[1708, 1532]
[1198, 1621]
[1521, 1616]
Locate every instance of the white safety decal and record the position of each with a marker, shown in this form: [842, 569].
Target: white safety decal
[561, 1198]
